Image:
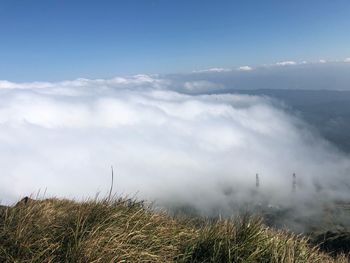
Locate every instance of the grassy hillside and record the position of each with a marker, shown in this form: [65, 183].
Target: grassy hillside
[123, 230]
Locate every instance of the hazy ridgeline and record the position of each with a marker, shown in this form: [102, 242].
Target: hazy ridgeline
[178, 150]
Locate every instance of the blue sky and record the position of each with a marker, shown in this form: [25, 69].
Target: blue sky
[56, 40]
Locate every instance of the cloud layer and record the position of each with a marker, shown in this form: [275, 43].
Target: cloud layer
[202, 150]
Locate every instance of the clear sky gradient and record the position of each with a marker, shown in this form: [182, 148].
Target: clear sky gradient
[56, 40]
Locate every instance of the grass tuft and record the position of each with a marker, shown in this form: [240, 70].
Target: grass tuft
[124, 230]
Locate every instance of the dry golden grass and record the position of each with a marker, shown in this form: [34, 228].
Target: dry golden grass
[122, 230]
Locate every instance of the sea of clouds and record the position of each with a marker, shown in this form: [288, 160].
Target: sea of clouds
[165, 145]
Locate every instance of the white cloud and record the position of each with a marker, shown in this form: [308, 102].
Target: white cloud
[245, 68]
[4, 84]
[322, 61]
[201, 86]
[347, 60]
[212, 70]
[286, 63]
[167, 146]
[117, 82]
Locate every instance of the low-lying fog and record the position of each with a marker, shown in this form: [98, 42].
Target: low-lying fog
[165, 146]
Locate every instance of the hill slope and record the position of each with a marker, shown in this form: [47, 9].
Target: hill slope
[124, 230]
